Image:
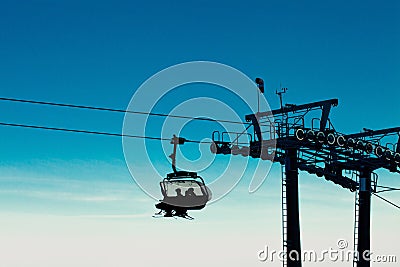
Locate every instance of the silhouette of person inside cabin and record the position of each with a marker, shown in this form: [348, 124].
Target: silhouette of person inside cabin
[190, 192]
[178, 192]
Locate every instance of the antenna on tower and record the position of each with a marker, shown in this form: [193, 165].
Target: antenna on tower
[280, 94]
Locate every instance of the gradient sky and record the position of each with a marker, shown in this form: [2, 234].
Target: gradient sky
[69, 200]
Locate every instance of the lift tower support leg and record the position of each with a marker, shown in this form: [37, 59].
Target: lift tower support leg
[292, 200]
[364, 220]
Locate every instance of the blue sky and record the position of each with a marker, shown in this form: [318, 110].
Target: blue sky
[76, 191]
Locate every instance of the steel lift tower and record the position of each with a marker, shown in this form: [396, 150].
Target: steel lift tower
[300, 141]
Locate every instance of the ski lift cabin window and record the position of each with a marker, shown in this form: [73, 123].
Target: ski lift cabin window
[172, 187]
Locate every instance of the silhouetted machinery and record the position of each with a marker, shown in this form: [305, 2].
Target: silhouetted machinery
[182, 190]
[286, 136]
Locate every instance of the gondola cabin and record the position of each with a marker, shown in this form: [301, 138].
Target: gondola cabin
[183, 191]
[186, 190]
